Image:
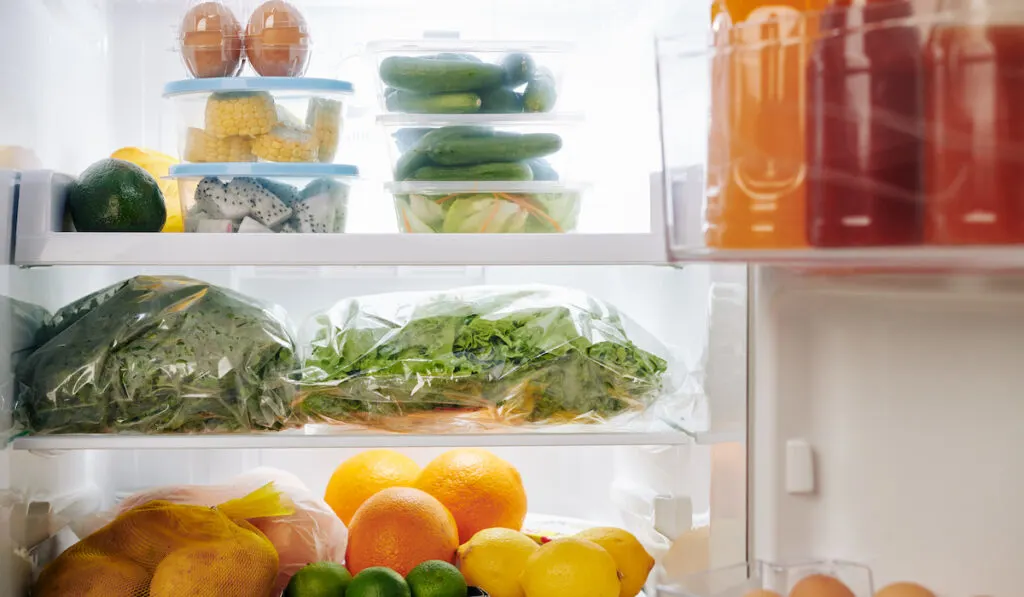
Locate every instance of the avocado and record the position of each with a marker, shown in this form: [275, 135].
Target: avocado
[116, 196]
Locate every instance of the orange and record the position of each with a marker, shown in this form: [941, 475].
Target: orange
[400, 528]
[481, 490]
[820, 585]
[365, 474]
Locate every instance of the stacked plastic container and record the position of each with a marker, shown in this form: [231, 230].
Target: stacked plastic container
[259, 151]
[476, 136]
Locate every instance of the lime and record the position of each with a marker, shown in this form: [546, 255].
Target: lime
[323, 579]
[116, 196]
[378, 581]
[435, 578]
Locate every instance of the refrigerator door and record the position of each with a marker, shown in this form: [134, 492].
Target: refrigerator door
[885, 425]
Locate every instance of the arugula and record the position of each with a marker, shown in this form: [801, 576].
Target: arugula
[517, 352]
[158, 354]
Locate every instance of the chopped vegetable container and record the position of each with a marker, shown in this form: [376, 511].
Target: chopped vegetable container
[267, 198]
[480, 147]
[446, 76]
[486, 207]
[248, 119]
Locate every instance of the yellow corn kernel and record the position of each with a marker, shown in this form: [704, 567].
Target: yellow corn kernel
[203, 147]
[323, 117]
[286, 144]
[241, 113]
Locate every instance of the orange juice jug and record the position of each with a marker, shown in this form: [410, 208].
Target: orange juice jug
[757, 169]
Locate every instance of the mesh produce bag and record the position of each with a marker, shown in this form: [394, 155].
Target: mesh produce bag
[166, 550]
[312, 533]
[158, 354]
[475, 356]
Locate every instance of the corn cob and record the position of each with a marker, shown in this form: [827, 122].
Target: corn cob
[324, 118]
[286, 144]
[240, 113]
[203, 147]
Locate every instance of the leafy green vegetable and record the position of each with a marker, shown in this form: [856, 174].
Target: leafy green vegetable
[534, 354]
[158, 354]
[489, 212]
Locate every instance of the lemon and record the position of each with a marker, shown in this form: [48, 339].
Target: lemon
[632, 560]
[494, 558]
[570, 567]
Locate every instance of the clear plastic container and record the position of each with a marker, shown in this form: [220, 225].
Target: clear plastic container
[766, 579]
[277, 40]
[210, 40]
[248, 119]
[479, 147]
[264, 198]
[486, 207]
[444, 76]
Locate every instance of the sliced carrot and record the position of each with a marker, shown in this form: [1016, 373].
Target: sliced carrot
[405, 218]
[446, 198]
[525, 204]
[491, 216]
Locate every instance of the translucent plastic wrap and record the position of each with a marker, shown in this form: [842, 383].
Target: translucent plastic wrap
[20, 323]
[477, 356]
[313, 533]
[162, 549]
[158, 354]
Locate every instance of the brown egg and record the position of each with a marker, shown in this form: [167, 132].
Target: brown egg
[211, 41]
[761, 593]
[904, 589]
[277, 40]
[820, 585]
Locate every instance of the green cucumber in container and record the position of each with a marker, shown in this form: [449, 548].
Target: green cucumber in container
[542, 170]
[541, 93]
[519, 69]
[501, 148]
[410, 102]
[430, 75]
[454, 56]
[501, 101]
[503, 171]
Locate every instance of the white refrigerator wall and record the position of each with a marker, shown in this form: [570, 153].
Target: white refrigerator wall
[905, 391]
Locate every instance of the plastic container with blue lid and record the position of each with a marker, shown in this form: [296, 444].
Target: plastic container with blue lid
[264, 198]
[266, 119]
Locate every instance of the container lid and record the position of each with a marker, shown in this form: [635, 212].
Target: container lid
[430, 187]
[263, 169]
[531, 118]
[220, 84]
[435, 44]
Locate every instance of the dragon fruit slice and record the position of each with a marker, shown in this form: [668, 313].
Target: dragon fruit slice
[251, 225]
[284, 191]
[215, 226]
[332, 193]
[214, 198]
[264, 206]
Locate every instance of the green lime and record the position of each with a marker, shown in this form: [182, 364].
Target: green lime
[378, 582]
[323, 579]
[435, 578]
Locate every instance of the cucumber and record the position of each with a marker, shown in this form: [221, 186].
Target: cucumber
[540, 94]
[416, 157]
[501, 101]
[454, 56]
[409, 162]
[408, 137]
[514, 171]
[427, 75]
[479, 150]
[410, 102]
[519, 69]
[440, 136]
[542, 170]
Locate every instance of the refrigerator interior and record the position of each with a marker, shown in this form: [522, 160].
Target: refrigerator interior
[883, 409]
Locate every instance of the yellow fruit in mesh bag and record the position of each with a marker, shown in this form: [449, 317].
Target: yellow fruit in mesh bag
[245, 113]
[94, 575]
[632, 560]
[238, 567]
[203, 147]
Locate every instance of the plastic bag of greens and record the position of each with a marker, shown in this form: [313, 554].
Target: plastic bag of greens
[158, 354]
[483, 355]
[20, 323]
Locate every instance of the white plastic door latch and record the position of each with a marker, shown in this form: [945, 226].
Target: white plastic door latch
[799, 467]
